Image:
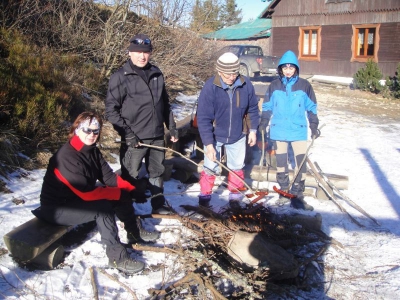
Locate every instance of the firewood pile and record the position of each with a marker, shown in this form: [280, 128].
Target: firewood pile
[249, 249]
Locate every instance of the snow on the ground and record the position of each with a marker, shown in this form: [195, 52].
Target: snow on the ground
[362, 263]
[333, 79]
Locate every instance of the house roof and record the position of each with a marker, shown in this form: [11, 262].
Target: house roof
[268, 11]
[254, 29]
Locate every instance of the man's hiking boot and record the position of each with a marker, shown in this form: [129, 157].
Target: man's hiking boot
[299, 203]
[142, 236]
[127, 266]
[282, 200]
[163, 210]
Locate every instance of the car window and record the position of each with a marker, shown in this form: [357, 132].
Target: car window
[254, 51]
[234, 50]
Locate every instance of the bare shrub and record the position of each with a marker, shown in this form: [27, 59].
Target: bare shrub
[9, 159]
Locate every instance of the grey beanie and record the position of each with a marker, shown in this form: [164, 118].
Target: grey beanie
[140, 43]
[228, 63]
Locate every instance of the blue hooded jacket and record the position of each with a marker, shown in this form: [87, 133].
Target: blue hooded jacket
[288, 103]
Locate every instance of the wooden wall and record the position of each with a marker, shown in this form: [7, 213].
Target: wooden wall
[313, 12]
[336, 49]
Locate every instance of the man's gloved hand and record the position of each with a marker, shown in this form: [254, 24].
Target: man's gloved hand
[315, 133]
[132, 140]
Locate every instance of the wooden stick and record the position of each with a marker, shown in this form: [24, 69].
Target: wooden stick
[166, 148]
[351, 202]
[262, 159]
[138, 247]
[325, 187]
[158, 216]
[187, 279]
[229, 170]
[93, 282]
[119, 282]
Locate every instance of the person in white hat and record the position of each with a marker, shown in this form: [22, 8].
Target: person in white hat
[225, 101]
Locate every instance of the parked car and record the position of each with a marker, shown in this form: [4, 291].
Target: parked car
[252, 60]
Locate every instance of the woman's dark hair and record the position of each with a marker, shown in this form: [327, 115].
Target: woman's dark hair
[82, 118]
[280, 71]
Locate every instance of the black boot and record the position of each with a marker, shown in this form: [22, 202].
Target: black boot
[283, 180]
[128, 266]
[136, 234]
[158, 202]
[299, 203]
[204, 200]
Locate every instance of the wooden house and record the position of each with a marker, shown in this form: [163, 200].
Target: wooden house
[337, 37]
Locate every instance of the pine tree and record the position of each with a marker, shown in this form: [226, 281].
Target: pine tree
[368, 78]
[205, 16]
[230, 14]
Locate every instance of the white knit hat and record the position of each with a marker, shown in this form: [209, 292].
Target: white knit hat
[228, 63]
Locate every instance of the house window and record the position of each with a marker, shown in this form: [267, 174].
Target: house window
[310, 43]
[365, 42]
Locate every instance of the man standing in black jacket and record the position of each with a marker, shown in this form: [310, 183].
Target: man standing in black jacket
[137, 105]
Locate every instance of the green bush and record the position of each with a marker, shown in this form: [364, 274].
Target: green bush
[393, 83]
[367, 79]
[41, 89]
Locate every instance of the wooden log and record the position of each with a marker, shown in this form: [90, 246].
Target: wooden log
[50, 258]
[267, 174]
[31, 238]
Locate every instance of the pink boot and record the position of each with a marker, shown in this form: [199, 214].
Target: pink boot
[206, 183]
[234, 183]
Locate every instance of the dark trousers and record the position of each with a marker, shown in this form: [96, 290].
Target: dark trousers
[101, 211]
[282, 168]
[131, 163]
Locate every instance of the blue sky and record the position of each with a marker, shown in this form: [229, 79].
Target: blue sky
[251, 8]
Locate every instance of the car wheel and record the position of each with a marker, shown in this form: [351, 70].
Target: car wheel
[243, 70]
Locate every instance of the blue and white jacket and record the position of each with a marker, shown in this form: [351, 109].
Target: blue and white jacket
[288, 103]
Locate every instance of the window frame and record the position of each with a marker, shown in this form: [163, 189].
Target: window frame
[336, 1]
[354, 40]
[307, 57]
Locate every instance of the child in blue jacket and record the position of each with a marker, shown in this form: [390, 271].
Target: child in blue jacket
[289, 108]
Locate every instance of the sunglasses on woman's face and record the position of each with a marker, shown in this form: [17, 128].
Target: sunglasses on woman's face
[89, 130]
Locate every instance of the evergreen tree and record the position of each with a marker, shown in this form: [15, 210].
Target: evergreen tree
[230, 14]
[206, 16]
[368, 78]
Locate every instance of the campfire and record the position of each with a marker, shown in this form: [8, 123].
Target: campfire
[248, 246]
